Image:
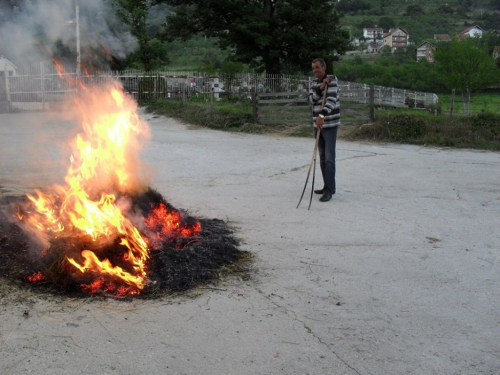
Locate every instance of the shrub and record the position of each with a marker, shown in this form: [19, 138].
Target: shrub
[406, 126]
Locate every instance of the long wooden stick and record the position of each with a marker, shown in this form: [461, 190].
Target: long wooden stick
[313, 161]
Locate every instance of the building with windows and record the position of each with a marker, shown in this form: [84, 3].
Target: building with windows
[7, 68]
[425, 51]
[396, 38]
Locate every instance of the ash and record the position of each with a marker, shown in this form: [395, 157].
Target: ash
[177, 264]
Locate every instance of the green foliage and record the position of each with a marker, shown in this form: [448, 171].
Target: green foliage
[231, 68]
[270, 36]
[414, 10]
[445, 9]
[386, 23]
[223, 116]
[465, 65]
[365, 24]
[481, 131]
[406, 126]
[353, 6]
[151, 53]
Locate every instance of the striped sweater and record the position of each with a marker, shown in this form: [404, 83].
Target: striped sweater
[331, 110]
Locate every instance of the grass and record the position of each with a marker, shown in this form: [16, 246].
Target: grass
[481, 130]
[480, 102]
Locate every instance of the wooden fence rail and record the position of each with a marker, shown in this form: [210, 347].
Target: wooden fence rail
[270, 108]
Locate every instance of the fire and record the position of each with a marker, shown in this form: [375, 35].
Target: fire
[95, 201]
[36, 277]
[165, 223]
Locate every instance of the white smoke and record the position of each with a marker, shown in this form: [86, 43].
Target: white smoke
[30, 34]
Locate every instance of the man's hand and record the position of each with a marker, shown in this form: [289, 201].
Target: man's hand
[319, 122]
[325, 83]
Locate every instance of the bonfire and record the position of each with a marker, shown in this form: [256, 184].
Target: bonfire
[105, 230]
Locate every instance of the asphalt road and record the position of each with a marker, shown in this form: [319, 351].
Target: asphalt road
[398, 274]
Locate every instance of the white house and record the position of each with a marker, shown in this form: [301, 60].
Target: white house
[473, 31]
[7, 68]
[373, 34]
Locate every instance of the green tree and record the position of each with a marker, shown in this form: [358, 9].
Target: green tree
[151, 53]
[365, 24]
[386, 23]
[445, 9]
[271, 35]
[414, 10]
[466, 66]
[495, 4]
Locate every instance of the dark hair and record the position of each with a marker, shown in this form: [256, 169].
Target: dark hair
[321, 61]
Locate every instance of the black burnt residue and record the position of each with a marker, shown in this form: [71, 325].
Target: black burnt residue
[177, 263]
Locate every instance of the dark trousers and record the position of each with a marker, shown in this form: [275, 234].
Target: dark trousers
[326, 147]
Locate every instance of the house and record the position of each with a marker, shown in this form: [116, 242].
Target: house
[355, 42]
[396, 38]
[425, 51]
[373, 34]
[472, 31]
[372, 48]
[442, 37]
[7, 68]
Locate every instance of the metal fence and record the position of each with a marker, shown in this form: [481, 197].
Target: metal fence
[42, 87]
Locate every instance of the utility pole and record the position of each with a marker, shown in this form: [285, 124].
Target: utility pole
[78, 60]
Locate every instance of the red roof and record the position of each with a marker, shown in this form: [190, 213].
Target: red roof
[441, 37]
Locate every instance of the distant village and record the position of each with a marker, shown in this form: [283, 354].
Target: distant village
[376, 40]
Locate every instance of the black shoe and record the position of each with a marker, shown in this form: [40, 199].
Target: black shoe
[325, 197]
[322, 191]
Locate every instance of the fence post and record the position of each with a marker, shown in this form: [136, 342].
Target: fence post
[7, 88]
[254, 105]
[372, 102]
[452, 102]
[42, 80]
[155, 86]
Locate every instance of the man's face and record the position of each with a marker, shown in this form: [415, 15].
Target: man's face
[318, 70]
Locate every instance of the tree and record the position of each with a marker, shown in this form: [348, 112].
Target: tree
[365, 24]
[495, 4]
[466, 66]
[274, 36]
[151, 53]
[414, 10]
[386, 23]
[445, 9]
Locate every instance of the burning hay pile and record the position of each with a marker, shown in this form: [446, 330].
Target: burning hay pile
[179, 258]
[104, 231]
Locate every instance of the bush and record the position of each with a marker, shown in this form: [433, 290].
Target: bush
[481, 131]
[406, 126]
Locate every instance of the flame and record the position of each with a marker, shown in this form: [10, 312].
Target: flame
[165, 223]
[104, 169]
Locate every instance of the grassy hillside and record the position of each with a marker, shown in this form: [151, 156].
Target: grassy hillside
[421, 18]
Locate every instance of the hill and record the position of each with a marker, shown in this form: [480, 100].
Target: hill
[421, 18]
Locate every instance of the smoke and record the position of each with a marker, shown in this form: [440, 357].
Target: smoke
[37, 30]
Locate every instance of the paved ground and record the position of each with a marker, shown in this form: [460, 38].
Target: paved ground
[398, 274]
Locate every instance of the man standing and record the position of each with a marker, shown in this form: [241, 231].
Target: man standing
[326, 120]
